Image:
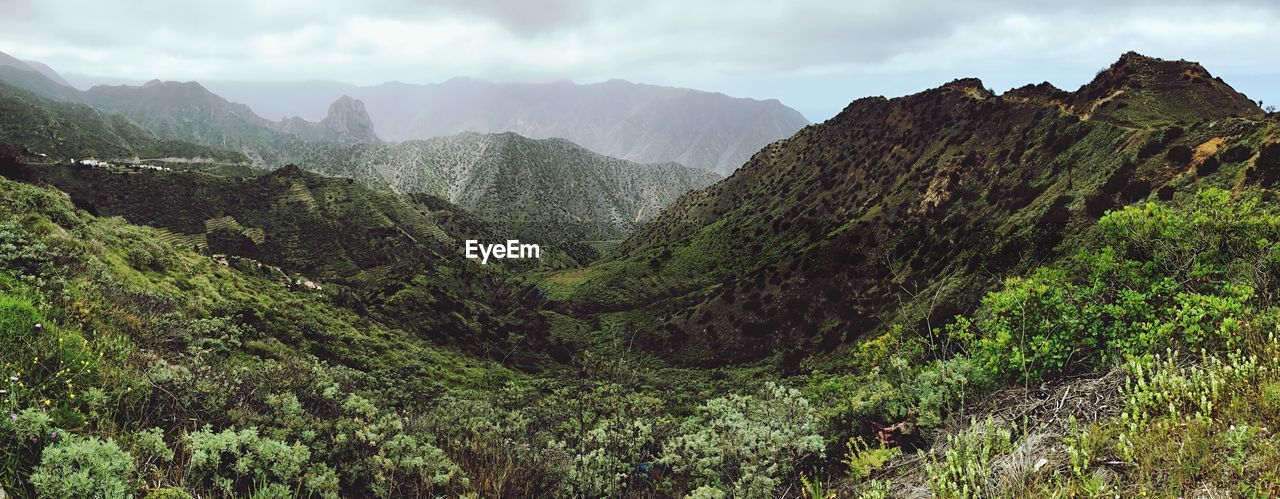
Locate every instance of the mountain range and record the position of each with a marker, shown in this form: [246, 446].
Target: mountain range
[954, 293]
[552, 188]
[635, 122]
[906, 210]
[548, 186]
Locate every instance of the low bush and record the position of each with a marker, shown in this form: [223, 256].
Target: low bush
[76, 466]
[244, 463]
[745, 445]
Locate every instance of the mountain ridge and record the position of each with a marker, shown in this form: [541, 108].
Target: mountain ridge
[846, 219]
[633, 121]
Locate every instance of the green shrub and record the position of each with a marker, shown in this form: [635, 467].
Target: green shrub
[383, 454]
[242, 462]
[83, 467]
[43, 365]
[1165, 387]
[603, 438]
[862, 460]
[746, 444]
[23, 434]
[23, 255]
[169, 493]
[1152, 284]
[151, 453]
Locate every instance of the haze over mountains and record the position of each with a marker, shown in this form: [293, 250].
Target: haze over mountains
[551, 189]
[636, 122]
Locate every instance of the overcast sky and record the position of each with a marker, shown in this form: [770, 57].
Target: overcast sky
[815, 56]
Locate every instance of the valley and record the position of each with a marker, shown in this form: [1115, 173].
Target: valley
[951, 293]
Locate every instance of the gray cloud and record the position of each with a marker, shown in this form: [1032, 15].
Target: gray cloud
[814, 54]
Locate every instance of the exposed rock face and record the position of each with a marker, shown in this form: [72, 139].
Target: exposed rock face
[346, 123]
[347, 118]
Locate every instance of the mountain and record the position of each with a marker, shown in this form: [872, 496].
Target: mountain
[187, 111]
[947, 294]
[551, 188]
[905, 210]
[281, 100]
[397, 262]
[62, 130]
[347, 122]
[548, 186]
[47, 71]
[1142, 91]
[39, 84]
[7, 60]
[635, 122]
[35, 77]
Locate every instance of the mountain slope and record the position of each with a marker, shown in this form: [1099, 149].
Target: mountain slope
[902, 211]
[398, 263]
[33, 81]
[189, 112]
[43, 69]
[47, 71]
[548, 187]
[551, 188]
[62, 130]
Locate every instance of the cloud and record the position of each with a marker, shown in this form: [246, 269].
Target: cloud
[801, 49]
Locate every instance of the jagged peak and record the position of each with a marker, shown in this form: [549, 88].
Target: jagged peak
[346, 103]
[348, 117]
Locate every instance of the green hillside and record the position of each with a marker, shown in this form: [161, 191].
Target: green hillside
[905, 211]
[62, 130]
[548, 189]
[948, 294]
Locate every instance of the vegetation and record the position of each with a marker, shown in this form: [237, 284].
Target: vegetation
[1135, 352]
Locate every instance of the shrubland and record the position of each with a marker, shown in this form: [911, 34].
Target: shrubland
[1036, 294]
[132, 365]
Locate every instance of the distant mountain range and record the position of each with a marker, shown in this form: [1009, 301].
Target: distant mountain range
[632, 121]
[186, 111]
[636, 122]
[552, 189]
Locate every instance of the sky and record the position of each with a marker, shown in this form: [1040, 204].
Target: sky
[815, 56]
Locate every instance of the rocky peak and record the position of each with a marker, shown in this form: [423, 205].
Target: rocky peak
[348, 117]
[1169, 91]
